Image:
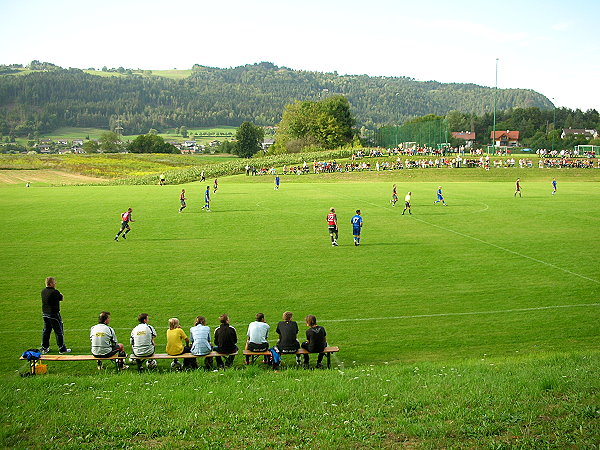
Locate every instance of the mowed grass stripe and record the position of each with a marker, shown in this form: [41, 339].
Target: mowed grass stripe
[420, 316]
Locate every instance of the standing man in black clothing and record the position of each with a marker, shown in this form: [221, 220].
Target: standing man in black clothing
[225, 341]
[51, 299]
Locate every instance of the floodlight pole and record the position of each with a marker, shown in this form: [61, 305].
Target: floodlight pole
[397, 120]
[495, 101]
[553, 121]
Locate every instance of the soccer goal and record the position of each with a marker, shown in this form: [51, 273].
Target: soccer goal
[588, 149]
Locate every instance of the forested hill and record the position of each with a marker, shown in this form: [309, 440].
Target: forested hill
[44, 100]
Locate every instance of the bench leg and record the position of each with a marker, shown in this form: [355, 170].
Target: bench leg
[328, 360]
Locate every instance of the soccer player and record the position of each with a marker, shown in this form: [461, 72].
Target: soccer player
[182, 200]
[207, 199]
[215, 186]
[125, 219]
[162, 179]
[276, 182]
[518, 187]
[332, 226]
[202, 176]
[357, 223]
[553, 186]
[440, 197]
[394, 196]
[407, 203]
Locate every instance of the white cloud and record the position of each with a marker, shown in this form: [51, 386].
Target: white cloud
[562, 26]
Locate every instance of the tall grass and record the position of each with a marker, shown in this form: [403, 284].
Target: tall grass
[546, 401]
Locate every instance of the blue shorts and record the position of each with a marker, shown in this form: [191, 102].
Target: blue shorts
[356, 231]
[440, 197]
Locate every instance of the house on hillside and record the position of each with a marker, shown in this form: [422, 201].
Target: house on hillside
[505, 138]
[589, 134]
[267, 143]
[467, 136]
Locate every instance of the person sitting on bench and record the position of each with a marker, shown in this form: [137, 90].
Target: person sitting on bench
[104, 341]
[200, 338]
[225, 342]
[177, 343]
[315, 340]
[287, 330]
[142, 341]
[258, 335]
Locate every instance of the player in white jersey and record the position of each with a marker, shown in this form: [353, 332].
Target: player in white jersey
[407, 203]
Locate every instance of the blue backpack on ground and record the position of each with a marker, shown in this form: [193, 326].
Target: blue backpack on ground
[31, 354]
[275, 355]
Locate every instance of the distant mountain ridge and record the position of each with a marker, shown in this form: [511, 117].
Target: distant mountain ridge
[44, 100]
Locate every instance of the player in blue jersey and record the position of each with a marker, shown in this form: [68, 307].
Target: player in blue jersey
[553, 186]
[440, 197]
[207, 199]
[357, 223]
[277, 182]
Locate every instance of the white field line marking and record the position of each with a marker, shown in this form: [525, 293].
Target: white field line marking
[480, 210]
[472, 313]
[490, 244]
[365, 319]
[508, 250]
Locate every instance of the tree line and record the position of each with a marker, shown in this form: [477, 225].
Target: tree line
[51, 97]
[539, 128]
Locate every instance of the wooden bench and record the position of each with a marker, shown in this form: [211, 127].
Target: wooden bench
[68, 357]
[182, 356]
[328, 351]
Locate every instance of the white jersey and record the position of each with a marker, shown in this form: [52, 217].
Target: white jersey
[141, 339]
[103, 339]
[407, 198]
[258, 332]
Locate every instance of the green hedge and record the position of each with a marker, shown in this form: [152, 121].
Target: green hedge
[234, 167]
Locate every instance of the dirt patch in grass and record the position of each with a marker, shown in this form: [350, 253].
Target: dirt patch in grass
[47, 176]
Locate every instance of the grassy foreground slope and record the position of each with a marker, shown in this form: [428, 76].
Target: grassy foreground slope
[541, 401]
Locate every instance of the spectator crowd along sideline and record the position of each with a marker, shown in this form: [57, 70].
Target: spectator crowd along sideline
[433, 158]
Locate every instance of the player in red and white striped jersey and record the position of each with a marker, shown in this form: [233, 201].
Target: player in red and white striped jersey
[332, 226]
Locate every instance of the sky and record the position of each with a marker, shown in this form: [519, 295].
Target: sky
[552, 47]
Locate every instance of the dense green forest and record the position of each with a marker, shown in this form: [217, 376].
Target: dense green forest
[45, 97]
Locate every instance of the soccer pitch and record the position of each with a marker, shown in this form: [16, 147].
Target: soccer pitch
[489, 274]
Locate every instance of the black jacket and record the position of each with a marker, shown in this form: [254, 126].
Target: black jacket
[51, 299]
[316, 339]
[226, 339]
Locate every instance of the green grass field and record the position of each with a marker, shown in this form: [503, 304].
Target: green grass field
[489, 282]
[488, 274]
